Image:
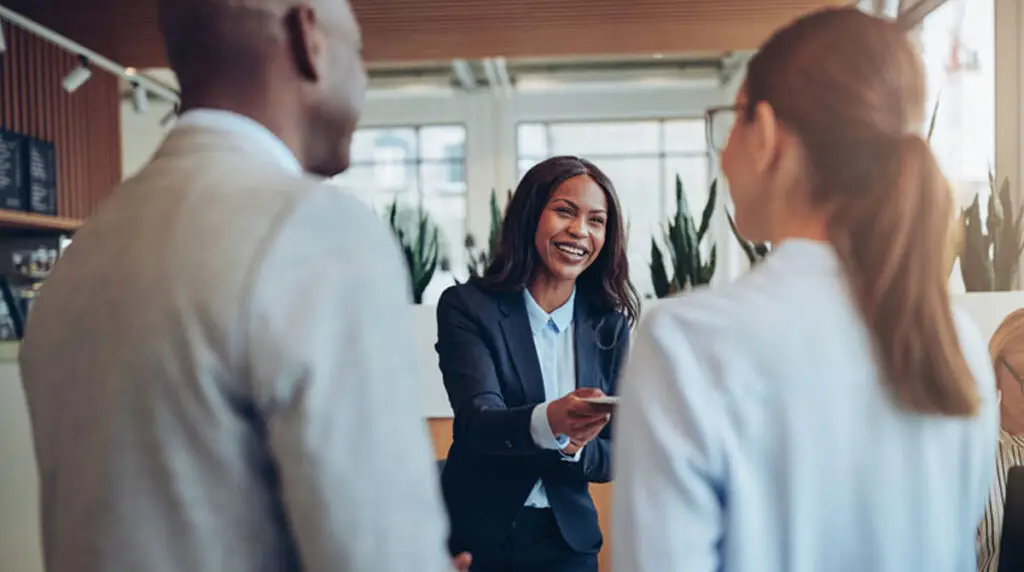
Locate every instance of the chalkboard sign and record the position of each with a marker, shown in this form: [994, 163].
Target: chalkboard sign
[41, 161]
[13, 183]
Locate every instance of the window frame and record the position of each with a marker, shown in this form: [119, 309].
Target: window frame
[418, 161]
[660, 156]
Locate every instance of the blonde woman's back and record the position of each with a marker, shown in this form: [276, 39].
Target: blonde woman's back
[757, 434]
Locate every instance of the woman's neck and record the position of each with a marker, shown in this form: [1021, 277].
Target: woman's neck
[549, 293]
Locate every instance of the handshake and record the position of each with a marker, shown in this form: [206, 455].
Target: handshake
[579, 419]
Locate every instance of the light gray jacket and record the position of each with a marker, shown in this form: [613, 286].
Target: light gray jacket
[220, 376]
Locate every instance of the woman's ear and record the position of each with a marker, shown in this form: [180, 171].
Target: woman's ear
[765, 140]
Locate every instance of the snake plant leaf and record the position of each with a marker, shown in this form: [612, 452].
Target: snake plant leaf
[708, 270]
[659, 278]
[1006, 241]
[478, 262]
[749, 248]
[421, 248]
[709, 210]
[682, 238]
[975, 261]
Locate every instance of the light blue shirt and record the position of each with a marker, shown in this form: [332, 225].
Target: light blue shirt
[553, 339]
[757, 432]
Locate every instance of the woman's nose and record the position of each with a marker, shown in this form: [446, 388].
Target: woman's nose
[577, 228]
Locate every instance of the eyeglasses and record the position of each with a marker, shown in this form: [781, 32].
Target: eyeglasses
[1013, 372]
[718, 122]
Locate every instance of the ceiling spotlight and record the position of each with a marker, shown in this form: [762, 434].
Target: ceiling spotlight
[140, 99]
[78, 76]
[464, 74]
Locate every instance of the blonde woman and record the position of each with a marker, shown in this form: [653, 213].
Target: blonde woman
[1007, 349]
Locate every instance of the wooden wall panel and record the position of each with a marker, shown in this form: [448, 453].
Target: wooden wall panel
[441, 433]
[84, 126]
[418, 30]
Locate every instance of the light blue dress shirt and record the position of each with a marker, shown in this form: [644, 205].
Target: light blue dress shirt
[553, 339]
[757, 433]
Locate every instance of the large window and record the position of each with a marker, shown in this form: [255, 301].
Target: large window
[420, 166]
[642, 158]
[957, 44]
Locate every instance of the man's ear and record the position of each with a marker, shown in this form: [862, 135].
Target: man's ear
[305, 40]
[766, 136]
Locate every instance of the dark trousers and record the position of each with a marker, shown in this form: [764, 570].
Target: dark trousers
[535, 544]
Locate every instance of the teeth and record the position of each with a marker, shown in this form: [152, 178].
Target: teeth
[570, 250]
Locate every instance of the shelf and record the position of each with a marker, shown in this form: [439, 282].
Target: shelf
[30, 221]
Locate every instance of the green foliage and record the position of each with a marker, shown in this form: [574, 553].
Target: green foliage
[683, 240]
[479, 261]
[420, 245]
[989, 256]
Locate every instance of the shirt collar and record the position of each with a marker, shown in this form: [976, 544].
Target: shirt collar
[250, 131]
[1006, 439]
[812, 255]
[558, 319]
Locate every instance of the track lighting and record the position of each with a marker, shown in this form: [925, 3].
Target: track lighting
[77, 76]
[140, 99]
[89, 60]
[170, 117]
[3, 42]
[464, 74]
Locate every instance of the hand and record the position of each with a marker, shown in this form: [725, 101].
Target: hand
[462, 562]
[572, 448]
[577, 419]
[587, 408]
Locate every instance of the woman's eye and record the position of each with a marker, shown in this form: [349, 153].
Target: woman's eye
[598, 221]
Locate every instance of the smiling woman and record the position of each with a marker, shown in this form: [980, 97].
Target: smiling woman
[523, 352]
[566, 201]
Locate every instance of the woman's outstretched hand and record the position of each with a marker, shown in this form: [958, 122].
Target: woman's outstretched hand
[577, 419]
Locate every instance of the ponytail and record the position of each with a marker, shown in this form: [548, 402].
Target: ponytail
[894, 240]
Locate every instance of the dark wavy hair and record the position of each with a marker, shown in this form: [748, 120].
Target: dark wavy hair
[605, 282]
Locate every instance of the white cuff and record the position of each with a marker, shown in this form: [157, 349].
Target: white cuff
[573, 458]
[540, 430]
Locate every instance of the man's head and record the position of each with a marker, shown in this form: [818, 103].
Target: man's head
[293, 65]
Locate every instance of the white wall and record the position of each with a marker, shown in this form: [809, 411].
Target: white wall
[141, 134]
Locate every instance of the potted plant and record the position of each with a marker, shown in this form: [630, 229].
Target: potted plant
[990, 256]
[683, 238]
[479, 261]
[420, 245]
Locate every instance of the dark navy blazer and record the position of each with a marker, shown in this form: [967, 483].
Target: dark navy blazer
[493, 379]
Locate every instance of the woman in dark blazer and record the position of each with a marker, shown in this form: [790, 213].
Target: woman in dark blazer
[547, 325]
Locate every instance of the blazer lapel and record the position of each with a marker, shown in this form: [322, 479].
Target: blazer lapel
[515, 328]
[588, 371]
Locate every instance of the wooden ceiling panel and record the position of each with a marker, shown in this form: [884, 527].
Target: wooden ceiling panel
[413, 30]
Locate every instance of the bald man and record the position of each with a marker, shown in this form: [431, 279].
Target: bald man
[218, 371]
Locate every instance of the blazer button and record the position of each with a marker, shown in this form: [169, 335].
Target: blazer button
[508, 444]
